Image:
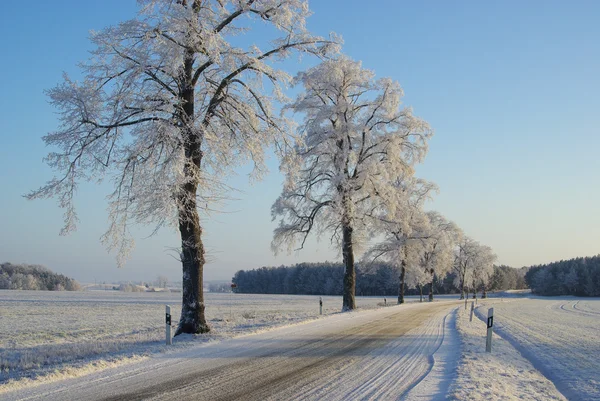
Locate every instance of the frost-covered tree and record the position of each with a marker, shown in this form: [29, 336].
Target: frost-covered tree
[167, 105]
[436, 248]
[357, 142]
[404, 225]
[463, 263]
[417, 278]
[473, 265]
[162, 281]
[483, 269]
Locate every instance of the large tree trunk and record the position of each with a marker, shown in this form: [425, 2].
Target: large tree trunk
[484, 292]
[431, 288]
[401, 285]
[349, 302]
[192, 318]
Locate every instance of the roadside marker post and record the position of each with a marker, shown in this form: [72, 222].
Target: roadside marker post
[472, 308]
[490, 330]
[169, 338]
[233, 287]
[320, 305]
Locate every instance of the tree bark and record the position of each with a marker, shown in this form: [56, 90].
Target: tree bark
[192, 318]
[401, 285]
[349, 302]
[421, 293]
[484, 293]
[431, 288]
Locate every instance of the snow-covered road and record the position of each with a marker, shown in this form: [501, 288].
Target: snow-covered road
[407, 351]
[560, 336]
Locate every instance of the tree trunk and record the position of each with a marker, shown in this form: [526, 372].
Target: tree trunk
[462, 286]
[421, 293]
[349, 302]
[431, 289]
[401, 285]
[484, 293]
[192, 318]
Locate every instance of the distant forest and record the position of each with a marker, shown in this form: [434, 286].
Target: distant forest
[34, 277]
[580, 277]
[326, 279]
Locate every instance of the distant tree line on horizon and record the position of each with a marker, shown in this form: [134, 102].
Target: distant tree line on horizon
[579, 277]
[34, 277]
[374, 279]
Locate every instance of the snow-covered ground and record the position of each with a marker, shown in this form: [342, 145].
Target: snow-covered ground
[559, 335]
[42, 332]
[370, 355]
[544, 349]
[503, 374]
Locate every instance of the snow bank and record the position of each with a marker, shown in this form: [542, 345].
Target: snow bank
[559, 335]
[502, 374]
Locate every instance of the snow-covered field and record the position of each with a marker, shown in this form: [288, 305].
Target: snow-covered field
[560, 336]
[544, 349]
[503, 374]
[44, 331]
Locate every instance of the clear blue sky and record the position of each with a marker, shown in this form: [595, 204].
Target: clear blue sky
[511, 89]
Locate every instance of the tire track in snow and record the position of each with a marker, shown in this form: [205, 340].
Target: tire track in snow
[586, 311]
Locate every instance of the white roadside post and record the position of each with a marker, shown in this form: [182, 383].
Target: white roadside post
[490, 330]
[472, 308]
[320, 305]
[169, 338]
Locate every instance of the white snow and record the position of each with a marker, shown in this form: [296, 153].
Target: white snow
[544, 348]
[560, 336]
[502, 374]
[45, 333]
[404, 364]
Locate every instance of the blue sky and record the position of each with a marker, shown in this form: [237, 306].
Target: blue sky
[510, 88]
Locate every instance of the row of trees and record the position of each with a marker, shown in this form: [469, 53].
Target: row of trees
[34, 277]
[580, 277]
[352, 178]
[174, 99]
[375, 279]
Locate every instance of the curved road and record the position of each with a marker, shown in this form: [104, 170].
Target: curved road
[381, 354]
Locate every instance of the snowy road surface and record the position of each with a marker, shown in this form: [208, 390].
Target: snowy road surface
[560, 336]
[389, 353]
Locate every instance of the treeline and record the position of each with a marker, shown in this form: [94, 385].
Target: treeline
[34, 277]
[375, 279]
[580, 277]
[508, 278]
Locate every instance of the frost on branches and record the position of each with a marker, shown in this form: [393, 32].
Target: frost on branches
[357, 142]
[404, 226]
[474, 266]
[436, 252]
[166, 107]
